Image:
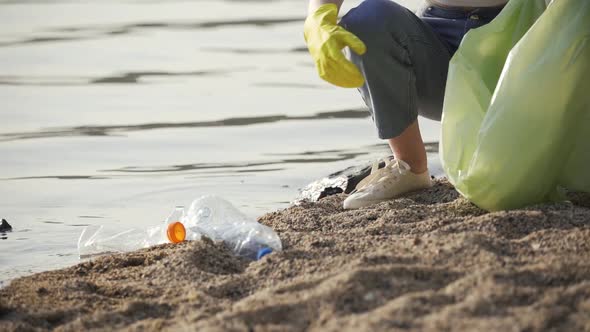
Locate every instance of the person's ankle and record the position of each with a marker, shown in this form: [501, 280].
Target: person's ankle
[422, 171]
[418, 169]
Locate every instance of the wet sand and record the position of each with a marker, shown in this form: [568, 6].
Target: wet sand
[430, 261]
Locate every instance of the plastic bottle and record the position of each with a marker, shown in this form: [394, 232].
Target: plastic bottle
[210, 216]
[97, 240]
[219, 220]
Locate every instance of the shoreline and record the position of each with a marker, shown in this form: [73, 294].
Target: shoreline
[428, 261]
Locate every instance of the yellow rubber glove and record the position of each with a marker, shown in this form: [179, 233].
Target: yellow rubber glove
[325, 41]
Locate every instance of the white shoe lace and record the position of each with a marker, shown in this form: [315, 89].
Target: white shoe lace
[391, 171]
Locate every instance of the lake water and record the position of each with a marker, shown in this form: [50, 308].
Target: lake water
[115, 112]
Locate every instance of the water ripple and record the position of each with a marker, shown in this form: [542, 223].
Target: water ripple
[276, 162]
[123, 78]
[235, 167]
[73, 33]
[117, 129]
[247, 51]
[60, 177]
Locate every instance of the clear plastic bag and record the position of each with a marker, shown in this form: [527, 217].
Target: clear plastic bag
[516, 120]
[98, 240]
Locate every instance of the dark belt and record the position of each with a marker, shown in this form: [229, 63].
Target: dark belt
[473, 13]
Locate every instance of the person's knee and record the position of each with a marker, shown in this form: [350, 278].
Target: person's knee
[371, 21]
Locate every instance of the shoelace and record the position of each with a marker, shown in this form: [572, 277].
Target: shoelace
[397, 168]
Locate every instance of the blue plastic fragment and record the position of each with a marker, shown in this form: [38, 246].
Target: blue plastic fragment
[263, 252]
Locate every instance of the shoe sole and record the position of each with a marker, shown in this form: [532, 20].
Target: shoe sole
[373, 202]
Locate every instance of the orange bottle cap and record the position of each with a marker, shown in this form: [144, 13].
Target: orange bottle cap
[176, 232]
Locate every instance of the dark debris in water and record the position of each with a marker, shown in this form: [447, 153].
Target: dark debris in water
[5, 226]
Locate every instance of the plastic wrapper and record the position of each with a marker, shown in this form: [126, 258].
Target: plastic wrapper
[99, 240]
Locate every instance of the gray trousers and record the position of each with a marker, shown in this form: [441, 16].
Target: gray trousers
[407, 59]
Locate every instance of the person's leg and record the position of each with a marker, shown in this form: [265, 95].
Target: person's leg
[405, 70]
[409, 147]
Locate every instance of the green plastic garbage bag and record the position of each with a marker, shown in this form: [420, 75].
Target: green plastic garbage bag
[516, 119]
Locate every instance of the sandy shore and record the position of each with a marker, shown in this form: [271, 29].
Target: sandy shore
[430, 261]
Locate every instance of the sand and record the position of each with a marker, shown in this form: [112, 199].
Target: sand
[430, 261]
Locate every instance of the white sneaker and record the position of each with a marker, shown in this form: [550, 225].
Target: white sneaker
[386, 183]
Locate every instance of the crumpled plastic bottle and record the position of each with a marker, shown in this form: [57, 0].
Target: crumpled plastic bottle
[219, 220]
[210, 216]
